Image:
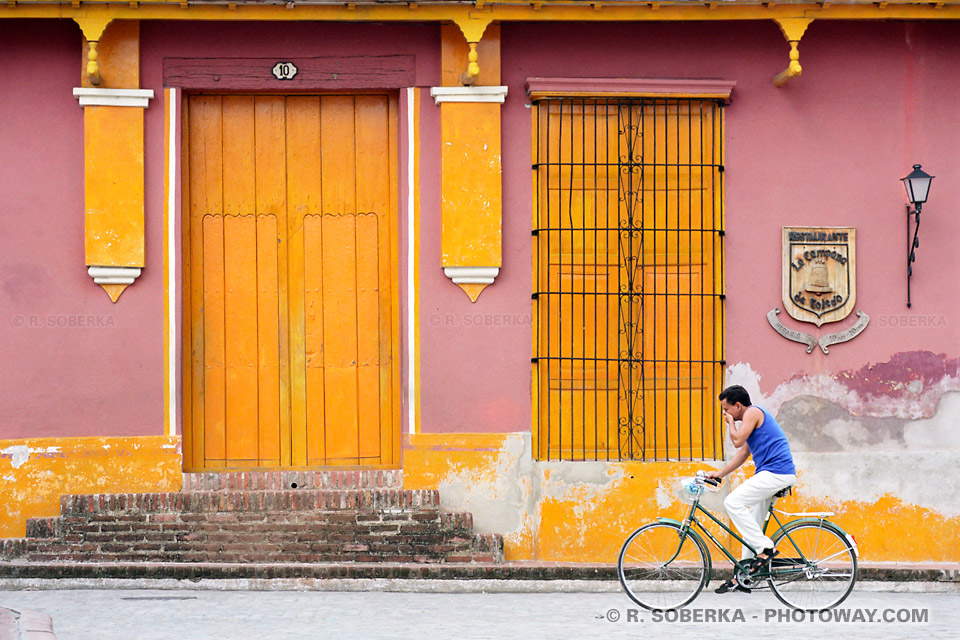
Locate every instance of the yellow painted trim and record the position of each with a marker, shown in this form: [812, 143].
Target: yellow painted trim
[35, 472]
[167, 213]
[534, 284]
[94, 13]
[171, 112]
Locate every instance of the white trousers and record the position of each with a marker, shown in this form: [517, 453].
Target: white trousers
[747, 507]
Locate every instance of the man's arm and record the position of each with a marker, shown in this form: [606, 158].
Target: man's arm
[738, 459]
[751, 420]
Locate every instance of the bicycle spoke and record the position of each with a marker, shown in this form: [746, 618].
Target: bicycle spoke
[810, 584]
[660, 569]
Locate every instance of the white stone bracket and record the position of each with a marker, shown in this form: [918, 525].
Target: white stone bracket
[468, 94]
[113, 97]
[471, 275]
[114, 275]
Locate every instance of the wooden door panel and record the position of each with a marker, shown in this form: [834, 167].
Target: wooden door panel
[292, 264]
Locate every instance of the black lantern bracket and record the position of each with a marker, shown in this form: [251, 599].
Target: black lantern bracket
[917, 184]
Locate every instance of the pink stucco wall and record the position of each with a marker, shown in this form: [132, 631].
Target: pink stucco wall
[74, 364]
[828, 149]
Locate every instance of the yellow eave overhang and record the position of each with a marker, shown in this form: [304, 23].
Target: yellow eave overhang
[499, 10]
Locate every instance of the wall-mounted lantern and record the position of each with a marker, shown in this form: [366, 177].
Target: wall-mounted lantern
[917, 184]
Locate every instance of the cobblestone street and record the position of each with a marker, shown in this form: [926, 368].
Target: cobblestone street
[198, 614]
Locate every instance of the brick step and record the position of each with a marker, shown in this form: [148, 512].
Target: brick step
[12, 548]
[45, 528]
[260, 517]
[278, 536]
[261, 500]
[284, 480]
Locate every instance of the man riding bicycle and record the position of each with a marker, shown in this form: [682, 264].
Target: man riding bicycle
[747, 505]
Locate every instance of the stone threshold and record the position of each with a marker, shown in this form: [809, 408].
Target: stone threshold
[516, 570]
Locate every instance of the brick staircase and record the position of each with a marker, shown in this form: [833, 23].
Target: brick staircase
[266, 517]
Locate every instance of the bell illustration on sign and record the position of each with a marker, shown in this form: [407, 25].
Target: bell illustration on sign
[819, 273]
[819, 283]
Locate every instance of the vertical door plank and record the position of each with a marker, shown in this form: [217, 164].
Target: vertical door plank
[339, 169]
[192, 448]
[340, 336]
[271, 190]
[374, 308]
[313, 338]
[240, 344]
[390, 423]
[213, 340]
[268, 342]
[240, 279]
[369, 336]
[339, 164]
[303, 198]
[196, 199]
[239, 152]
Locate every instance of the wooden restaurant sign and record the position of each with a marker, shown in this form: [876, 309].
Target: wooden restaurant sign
[819, 283]
[819, 273]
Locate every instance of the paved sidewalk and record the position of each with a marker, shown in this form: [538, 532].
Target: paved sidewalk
[239, 615]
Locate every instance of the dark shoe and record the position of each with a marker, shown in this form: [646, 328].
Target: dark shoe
[759, 563]
[731, 585]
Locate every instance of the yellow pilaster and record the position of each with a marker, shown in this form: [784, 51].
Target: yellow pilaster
[471, 156]
[113, 108]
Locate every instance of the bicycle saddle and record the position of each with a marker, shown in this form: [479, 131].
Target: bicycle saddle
[784, 491]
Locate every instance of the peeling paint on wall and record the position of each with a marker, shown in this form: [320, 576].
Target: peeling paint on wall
[42, 470]
[879, 447]
[909, 385]
[546, 510]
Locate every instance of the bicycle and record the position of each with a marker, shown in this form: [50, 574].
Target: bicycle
[664, 565]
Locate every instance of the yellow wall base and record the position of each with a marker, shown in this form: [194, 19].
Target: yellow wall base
[34, 473]
[582, 511]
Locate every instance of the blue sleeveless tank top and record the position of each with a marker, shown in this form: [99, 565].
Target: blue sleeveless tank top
[769, 447]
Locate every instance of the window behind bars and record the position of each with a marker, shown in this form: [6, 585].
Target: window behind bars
[628, 253]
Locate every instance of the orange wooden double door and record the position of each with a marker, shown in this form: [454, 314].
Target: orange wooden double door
[291, 317]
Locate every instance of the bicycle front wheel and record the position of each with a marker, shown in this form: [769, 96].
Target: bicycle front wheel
[662, 569]
[816, 568]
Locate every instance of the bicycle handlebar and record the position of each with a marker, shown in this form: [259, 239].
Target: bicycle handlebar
[703, 479]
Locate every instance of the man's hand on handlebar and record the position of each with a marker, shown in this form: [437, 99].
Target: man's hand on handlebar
[715, 477]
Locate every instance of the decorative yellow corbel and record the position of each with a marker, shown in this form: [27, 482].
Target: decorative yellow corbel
[471, 254]
[92, 29]
[793, 29]
[472, 29]
[113, 106]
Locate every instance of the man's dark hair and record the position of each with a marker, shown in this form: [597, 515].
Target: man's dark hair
[735, 394]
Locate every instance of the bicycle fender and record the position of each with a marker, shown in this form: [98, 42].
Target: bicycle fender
[819, 521]
[669, 521]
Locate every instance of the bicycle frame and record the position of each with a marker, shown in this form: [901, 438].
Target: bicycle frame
[691, 520]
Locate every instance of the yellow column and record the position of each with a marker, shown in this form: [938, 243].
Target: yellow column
[113, 107]
[470, 185]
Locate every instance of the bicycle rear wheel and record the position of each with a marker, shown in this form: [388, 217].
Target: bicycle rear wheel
[816, 568]
[662, 569]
